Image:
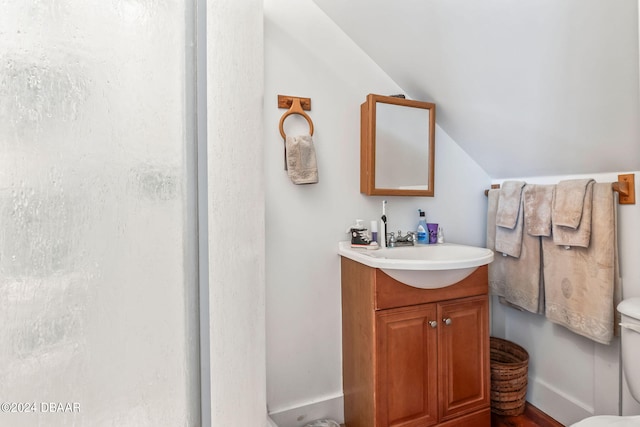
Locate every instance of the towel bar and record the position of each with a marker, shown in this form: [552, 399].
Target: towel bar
[625, 187]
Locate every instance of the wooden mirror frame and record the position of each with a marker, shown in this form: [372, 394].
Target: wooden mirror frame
[368, 146]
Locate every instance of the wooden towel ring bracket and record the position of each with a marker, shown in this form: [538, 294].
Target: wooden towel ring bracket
[296, 106]
[625, 187]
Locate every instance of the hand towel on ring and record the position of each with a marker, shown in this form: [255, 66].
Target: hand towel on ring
[302, 166]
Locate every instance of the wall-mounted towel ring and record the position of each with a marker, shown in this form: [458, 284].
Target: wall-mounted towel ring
[296, 106]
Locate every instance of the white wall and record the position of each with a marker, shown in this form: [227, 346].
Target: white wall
[236, 212]
[306, 55]
[570, 376]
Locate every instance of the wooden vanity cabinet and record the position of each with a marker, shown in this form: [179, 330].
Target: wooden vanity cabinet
[414, 357]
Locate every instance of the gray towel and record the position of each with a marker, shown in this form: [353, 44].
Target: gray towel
[517, 281]
[509, 241]
[302, 165]
[509, 204]
[582, 284]
[580, 235]
[568, 202]
[509, 218]
[538, 200]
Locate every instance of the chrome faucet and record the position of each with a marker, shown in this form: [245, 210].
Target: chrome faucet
[391, 240]
[408, 239]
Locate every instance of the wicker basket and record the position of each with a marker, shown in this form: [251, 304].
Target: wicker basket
[509, 367]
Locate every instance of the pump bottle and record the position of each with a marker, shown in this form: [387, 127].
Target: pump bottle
[422, 235]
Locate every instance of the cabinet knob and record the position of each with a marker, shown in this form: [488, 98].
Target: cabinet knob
[433, 323]
[447, 321]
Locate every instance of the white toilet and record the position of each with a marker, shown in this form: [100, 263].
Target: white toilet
[630, 328]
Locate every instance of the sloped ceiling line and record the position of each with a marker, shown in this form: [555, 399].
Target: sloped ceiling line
[526, 88]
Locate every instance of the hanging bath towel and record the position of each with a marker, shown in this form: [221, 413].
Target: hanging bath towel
[517, 281]
[509, 219]
[538, 202]
[568, 202]
[302, 165]
[582, 284]
[579, 233]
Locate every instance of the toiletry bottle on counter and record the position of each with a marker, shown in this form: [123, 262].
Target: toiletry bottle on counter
[374, 231]
[422, 236]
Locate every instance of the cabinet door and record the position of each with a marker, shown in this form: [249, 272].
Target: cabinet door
[406, 367]
[463, 356]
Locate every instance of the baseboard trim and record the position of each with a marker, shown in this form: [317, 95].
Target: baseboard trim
[557, 404]
[543, 396]
[331, 407]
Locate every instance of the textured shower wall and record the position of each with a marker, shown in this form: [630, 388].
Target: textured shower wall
[96, 303]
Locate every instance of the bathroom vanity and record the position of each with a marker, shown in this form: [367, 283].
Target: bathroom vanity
[414, 357]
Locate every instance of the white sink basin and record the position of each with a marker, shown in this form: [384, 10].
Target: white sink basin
[423, 266]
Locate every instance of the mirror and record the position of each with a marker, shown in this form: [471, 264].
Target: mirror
[397, 146]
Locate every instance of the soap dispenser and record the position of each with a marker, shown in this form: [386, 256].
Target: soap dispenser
[422, 235]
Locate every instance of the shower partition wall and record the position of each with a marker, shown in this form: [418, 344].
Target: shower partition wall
[98, 271]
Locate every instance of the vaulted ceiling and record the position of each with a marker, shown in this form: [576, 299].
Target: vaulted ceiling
[525, 87]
